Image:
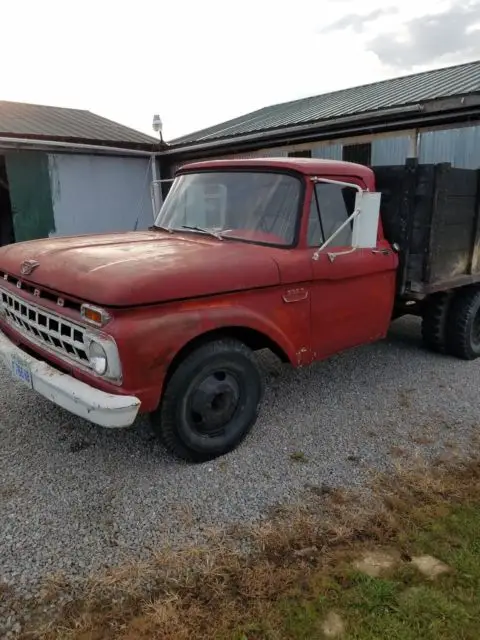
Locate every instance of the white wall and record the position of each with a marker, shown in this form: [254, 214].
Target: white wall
[96, 194]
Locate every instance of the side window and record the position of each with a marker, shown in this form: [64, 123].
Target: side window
[336, 204]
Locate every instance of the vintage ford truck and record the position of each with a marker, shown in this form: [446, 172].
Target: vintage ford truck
[289, 254]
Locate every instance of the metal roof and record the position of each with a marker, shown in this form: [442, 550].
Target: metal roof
[53, 123]
[457, 80]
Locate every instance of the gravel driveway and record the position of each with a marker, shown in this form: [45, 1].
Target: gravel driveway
[74, 497]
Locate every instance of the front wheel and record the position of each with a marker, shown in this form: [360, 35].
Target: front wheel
[211, 401]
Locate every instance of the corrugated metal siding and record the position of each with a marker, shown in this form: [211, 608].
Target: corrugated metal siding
[390, 150]
[459, 146]
[328, 152]
[96, 194]
[262, 153]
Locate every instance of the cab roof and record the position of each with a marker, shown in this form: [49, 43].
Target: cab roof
[307, 166]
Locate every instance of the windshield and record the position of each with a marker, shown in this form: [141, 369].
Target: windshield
[252, 206]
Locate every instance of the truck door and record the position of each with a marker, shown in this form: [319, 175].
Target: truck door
[353, 290]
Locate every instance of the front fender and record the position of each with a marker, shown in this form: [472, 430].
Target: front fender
[238, 316]
[149, 339]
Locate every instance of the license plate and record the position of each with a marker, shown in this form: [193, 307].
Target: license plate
[21, 371]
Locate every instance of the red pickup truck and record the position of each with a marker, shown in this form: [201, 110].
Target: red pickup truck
[286, 254]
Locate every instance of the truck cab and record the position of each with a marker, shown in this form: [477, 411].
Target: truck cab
[284, 254]
[332, 293]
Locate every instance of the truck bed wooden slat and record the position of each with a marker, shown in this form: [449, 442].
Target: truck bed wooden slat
[432, 213]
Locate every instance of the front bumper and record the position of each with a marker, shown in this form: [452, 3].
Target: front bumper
[99, 407]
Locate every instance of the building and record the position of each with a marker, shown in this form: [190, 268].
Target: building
[434, 116]
[68, 171]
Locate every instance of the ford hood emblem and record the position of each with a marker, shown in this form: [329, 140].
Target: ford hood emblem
[28, 267]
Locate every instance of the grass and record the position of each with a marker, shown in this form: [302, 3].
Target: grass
[299, 580]
[405, 605]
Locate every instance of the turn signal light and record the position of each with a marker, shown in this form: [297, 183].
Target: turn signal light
[94, 315]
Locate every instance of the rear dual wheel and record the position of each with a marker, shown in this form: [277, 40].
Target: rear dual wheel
[211, 401]
[463, 326]
[451, 323]
[434, 322]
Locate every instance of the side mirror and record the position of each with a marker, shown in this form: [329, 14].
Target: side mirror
[365, 224]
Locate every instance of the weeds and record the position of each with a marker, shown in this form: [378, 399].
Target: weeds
[303, 575]
[298, 456]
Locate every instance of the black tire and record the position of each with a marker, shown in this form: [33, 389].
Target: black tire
[434, 322]
[463, 326]
[211, 401]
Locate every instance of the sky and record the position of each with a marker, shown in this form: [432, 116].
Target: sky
[201, 62]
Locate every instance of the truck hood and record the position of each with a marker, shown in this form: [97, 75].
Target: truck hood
[127, 269]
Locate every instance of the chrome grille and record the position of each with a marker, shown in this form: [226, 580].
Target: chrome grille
[44, 328]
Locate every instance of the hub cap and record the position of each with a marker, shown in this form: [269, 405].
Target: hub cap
[213, 402]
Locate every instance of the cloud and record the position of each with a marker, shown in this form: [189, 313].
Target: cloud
[449, 36]
[356, 21]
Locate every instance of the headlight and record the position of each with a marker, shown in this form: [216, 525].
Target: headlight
[98, 358]
[103, 356]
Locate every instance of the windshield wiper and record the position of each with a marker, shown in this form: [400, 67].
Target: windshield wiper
[210, 232]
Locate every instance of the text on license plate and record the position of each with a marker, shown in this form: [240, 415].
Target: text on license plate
[21, 371]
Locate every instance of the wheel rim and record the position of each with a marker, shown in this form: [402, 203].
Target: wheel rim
[212, 402]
